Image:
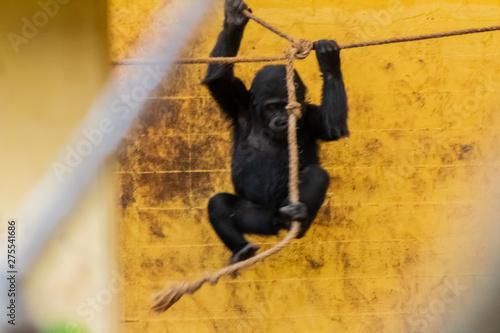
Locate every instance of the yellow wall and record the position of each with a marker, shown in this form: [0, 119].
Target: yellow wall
[400, 224]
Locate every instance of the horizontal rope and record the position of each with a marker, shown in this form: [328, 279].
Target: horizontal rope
[343, 47]
[191, 61]
[421, 37]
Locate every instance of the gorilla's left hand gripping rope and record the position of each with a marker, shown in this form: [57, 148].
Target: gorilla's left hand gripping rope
[300, 49]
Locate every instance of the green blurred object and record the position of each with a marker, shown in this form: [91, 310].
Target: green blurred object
[70, 327]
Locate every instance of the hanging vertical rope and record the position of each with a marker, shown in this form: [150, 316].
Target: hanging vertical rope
[164, 299]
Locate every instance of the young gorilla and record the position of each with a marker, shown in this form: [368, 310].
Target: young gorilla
[260, 158]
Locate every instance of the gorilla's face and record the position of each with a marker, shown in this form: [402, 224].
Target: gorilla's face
[270, 98]
[276, 115]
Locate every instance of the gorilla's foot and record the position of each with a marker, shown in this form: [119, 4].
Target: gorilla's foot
[247, 252]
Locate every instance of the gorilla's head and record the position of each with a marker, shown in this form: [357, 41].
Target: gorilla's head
[269, 97]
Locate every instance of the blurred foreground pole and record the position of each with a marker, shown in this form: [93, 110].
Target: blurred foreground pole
[53, 64]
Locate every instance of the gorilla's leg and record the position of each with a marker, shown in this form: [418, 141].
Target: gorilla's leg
[232, 216]
[312, 189]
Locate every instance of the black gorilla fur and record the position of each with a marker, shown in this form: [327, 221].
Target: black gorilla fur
[260, 156]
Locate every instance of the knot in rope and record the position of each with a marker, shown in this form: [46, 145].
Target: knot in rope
[294, 108]
[303, 48]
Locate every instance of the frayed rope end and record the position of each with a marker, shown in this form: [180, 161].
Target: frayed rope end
[163, 299]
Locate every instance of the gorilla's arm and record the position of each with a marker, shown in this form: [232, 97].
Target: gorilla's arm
[329, 120]
[228, 90]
